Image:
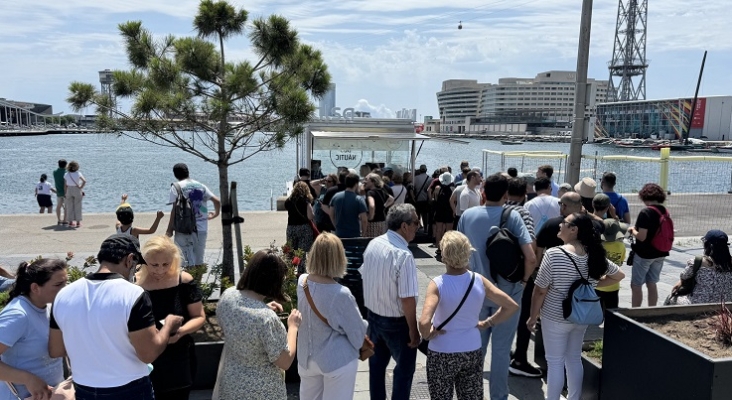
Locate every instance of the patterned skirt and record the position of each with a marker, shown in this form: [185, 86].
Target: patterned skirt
[300, 236]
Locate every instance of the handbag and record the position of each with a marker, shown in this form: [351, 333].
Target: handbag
[77, 185]
[424, 344]
[367, 348]
[687, 285]
[62, 391]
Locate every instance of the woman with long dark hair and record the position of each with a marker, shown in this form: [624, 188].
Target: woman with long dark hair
[299, 216]
[24, 328]
[377, 200]
[563, 339]
[714, 277]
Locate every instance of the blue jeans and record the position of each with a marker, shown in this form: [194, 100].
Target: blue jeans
[391, 339]
[503, 334]
[139, 389]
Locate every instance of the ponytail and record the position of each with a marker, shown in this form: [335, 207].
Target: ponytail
[591, 241]
[38, 272]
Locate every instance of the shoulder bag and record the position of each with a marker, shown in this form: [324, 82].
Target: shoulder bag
[424, 344]
[367, 348]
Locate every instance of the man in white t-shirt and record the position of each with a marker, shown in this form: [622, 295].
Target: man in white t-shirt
[105, 325]
[192, 245]
[470, 197]
[544, 206]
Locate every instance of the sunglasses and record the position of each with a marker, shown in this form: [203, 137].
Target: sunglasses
[567, 223]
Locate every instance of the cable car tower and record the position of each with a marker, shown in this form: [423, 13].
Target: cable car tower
[628, 66]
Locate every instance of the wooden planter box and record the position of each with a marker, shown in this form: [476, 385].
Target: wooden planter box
[640, 363]
[208, 355]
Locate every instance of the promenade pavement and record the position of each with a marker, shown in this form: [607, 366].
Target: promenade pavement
[27, 236]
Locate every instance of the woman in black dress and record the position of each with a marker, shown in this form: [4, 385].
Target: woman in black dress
[299, 214]
[443, 210]
[378, 200]
[172, 291]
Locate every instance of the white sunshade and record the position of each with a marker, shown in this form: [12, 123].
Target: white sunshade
[369, 135]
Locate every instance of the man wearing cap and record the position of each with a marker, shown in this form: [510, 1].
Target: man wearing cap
[192, 245]
[620, 203]
[612, 240]
[105, 324]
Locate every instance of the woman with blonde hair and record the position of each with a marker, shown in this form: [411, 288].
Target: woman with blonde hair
[74, 183]
[332, 330]
[451, 322]
[300, 217]
[377, 200]
[172, 291]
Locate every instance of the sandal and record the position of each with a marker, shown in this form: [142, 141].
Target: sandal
[72, 225]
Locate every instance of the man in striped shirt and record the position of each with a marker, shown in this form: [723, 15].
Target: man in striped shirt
[390, 290]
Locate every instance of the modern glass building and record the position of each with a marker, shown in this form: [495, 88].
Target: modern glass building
[666, 118]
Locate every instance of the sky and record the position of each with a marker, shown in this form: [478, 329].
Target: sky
[384, 55]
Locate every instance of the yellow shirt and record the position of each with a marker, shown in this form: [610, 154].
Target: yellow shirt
[616, 254]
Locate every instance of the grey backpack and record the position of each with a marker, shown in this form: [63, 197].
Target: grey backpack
[185, 216]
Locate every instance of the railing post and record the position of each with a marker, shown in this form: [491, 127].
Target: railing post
[663, 178]
[594, 172]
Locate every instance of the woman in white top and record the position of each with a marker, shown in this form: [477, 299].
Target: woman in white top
[74, 182]
[455, 358]
[563, 339]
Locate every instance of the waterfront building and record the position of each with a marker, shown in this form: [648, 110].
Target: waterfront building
[23, 113]
[328, 102]
[407, 113]
[666, 118]
[543, 104]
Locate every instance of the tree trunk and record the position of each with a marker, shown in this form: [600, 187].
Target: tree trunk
[228, 245]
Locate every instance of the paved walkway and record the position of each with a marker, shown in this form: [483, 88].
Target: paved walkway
[27, 236]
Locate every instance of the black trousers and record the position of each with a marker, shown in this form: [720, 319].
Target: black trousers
[423, 211]
[523, 335]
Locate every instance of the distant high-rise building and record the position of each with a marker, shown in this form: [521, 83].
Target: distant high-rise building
[407, 113]
[328, 102]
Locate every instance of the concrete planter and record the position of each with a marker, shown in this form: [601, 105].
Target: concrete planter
[640, 363]
[591, 379]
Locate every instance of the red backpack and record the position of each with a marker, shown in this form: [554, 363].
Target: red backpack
[664, 238]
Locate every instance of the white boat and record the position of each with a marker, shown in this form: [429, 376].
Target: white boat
[722, 149]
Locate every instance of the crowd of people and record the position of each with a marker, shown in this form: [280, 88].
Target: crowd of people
[126, 329]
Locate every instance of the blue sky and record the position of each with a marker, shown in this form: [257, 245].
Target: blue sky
[384, 55]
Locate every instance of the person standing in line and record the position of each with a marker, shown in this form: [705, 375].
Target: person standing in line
[544, 206]
[620, 203]
[43, 194]
[24, 358]
[300, 213]
[648, 260]
[348, 209]
[59, 182]
[390, 289]
[193, 245]
[583, 251]
[172, 292]
[328, 351]
[74, 183]
[546, 171]
[443, 210]
[457, 190]
[454, 358]
[586, 188]
[421, 181]
[612, 236]
[378, 200]
[105, 324]
[477, 224]
[470, 197]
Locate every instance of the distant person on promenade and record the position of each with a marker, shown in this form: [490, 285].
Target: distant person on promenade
[105, 324]
[193, 245]
[125, 217]
[650, 252]
[546, 171]
[349, 211]
[43, 194]
[74, 183]
[391, 290]
[59, 182]
[713, 278]
[619, 202]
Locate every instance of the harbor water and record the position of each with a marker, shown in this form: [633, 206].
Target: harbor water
[115, 164]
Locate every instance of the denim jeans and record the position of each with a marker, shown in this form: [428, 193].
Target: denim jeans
[503, 334]
[139, 389]
[391, 339]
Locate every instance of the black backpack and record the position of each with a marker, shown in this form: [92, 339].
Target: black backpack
[504, 253]
[185, 217]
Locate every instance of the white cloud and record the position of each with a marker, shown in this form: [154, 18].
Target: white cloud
[380, 111]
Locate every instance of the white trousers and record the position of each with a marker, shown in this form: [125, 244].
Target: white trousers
[563, 348]
[318, 385]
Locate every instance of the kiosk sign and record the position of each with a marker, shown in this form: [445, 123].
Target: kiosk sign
[346, 158]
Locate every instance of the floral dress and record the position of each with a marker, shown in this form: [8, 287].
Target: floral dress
[255, 338]
[711, 284]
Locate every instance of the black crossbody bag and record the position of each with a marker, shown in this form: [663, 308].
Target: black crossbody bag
[423, 345]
